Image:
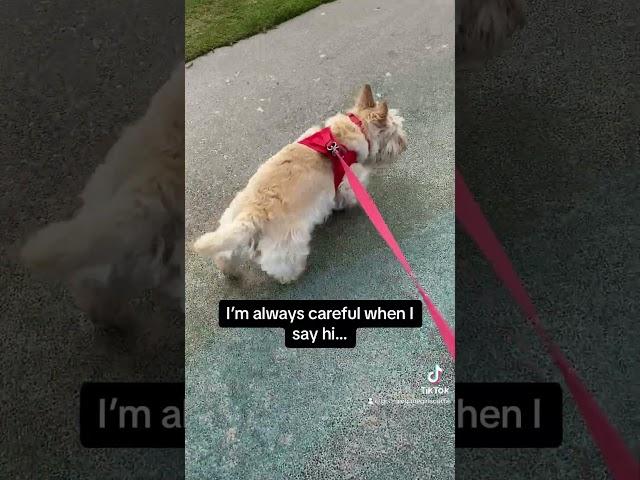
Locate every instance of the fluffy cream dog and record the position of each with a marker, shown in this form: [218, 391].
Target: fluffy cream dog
[271, 220]
[128, 235]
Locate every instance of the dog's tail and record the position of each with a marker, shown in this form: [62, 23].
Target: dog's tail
[59, 248]
[229, 236]
[62, 248]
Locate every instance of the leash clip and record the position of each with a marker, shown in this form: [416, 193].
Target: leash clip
[333, 147]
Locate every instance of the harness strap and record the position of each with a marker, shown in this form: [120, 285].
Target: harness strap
[325, 143]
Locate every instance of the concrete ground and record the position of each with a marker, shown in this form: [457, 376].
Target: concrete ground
[72, 75]
[256, 410]
[547, 139]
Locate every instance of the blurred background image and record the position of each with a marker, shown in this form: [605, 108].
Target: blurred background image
[73, 76]
[547, 142]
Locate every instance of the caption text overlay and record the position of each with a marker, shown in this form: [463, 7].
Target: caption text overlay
[320, 323]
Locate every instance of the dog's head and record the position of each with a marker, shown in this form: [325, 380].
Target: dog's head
[384, 127]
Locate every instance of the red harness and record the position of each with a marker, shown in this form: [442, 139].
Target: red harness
[325, 143]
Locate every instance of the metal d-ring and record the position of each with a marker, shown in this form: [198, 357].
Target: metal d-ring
[333, 148]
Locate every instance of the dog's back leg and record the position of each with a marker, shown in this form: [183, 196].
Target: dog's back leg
[284, 252]
[228, 262]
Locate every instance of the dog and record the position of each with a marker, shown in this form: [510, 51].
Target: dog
[128, 235]
[271, 220]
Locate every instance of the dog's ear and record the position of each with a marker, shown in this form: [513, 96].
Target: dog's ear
[365, 99]
[380, 113]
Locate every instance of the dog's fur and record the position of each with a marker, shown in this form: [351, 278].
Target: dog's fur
[128, 235]
[485, 27]
[271, 220]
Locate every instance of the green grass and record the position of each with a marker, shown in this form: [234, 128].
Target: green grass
[210, 24]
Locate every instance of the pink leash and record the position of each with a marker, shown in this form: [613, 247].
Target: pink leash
[617, 456]
[369, 207]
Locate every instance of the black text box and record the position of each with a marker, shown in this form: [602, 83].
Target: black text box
[508, 415]
[130, 415]
[320, 323]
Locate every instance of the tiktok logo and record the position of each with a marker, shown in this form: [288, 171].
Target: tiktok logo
[435, 376]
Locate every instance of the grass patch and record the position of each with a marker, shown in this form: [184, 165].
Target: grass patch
[210, 24]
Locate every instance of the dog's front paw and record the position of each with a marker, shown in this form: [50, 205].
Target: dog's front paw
[286, 280]
[339, 207]
[285, 273]
[345, 199]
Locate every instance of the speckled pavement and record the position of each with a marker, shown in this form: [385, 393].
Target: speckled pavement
[256, 410]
